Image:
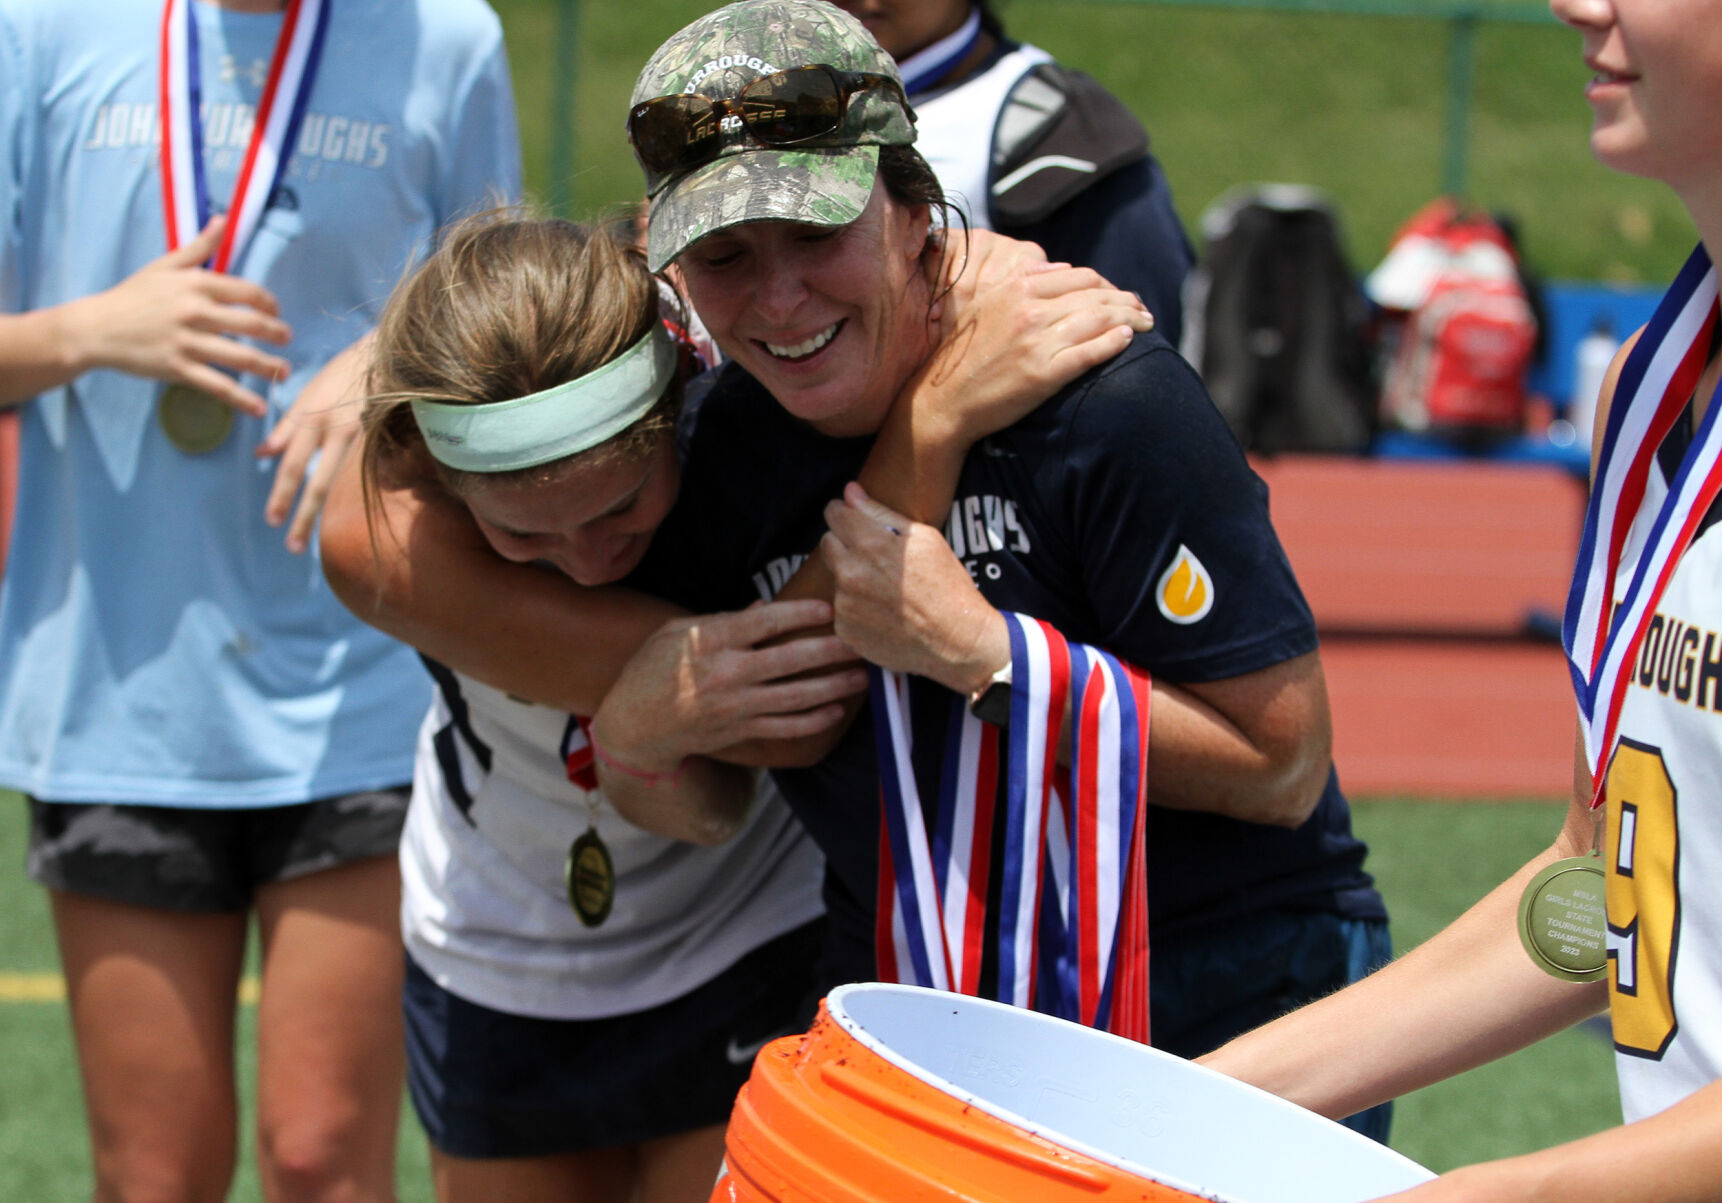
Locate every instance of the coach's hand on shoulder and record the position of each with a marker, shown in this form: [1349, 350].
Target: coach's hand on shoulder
[1014, 329]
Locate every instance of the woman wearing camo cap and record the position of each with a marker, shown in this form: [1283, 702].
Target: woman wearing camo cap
[783, 184]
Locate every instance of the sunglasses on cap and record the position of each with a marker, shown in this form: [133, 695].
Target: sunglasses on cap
[677, 133]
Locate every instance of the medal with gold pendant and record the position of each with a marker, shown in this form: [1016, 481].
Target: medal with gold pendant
[1563, 918]
[590, 873]
[193, 420]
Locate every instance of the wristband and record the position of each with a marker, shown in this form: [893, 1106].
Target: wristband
[628, 770]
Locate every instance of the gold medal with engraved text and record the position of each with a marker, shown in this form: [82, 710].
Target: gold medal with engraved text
[591, 879]
[1563, 923]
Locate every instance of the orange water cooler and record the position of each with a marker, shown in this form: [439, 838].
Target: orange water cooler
[899, 1094]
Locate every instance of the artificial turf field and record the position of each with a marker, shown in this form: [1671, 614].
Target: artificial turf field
[1431, 859]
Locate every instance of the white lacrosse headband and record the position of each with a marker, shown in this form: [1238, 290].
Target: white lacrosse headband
[560, 421]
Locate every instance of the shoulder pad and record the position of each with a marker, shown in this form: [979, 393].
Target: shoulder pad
[1058, 132]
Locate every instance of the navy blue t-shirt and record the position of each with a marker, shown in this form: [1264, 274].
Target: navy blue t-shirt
[1073, 516]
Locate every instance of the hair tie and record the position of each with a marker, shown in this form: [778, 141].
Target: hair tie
[628, 770]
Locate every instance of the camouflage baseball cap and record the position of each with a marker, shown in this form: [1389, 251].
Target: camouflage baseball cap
[824, 181]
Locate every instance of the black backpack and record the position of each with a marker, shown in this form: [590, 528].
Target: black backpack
[1277, 325]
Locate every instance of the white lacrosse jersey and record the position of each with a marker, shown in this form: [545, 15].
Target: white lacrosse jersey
[1663, 846]
[484, 899]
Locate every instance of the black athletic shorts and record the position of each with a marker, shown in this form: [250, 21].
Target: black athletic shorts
[193, 859]
[488, 1084]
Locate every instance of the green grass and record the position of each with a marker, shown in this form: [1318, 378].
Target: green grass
[1354, 105]
[1432, 860]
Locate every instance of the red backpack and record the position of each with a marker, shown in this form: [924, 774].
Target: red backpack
[1464, 328]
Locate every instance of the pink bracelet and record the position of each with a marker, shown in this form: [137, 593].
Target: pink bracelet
[628, 770]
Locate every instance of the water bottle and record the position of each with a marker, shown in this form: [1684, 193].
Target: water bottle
[1591, 358]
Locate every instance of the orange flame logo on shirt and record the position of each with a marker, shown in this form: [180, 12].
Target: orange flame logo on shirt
[1186, 592]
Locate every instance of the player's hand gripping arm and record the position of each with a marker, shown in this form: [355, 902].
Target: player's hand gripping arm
[433, 582]
[704, 685]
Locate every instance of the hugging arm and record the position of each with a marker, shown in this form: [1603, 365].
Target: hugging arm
[425, 575]
[429, 578]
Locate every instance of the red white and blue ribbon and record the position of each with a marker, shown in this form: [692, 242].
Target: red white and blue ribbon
[1108, 784]
[280, 110]
[1041, 655]
[962, 844]
[576, 752]
[1656, 382]
[911, 927]
[1070, 930]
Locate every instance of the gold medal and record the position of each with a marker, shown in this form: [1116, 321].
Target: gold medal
[193, 421]
[591, 878]
[1563, 921]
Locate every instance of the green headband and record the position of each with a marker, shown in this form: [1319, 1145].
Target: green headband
[559, 421]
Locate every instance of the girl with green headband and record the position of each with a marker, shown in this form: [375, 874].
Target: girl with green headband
[584, 997]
